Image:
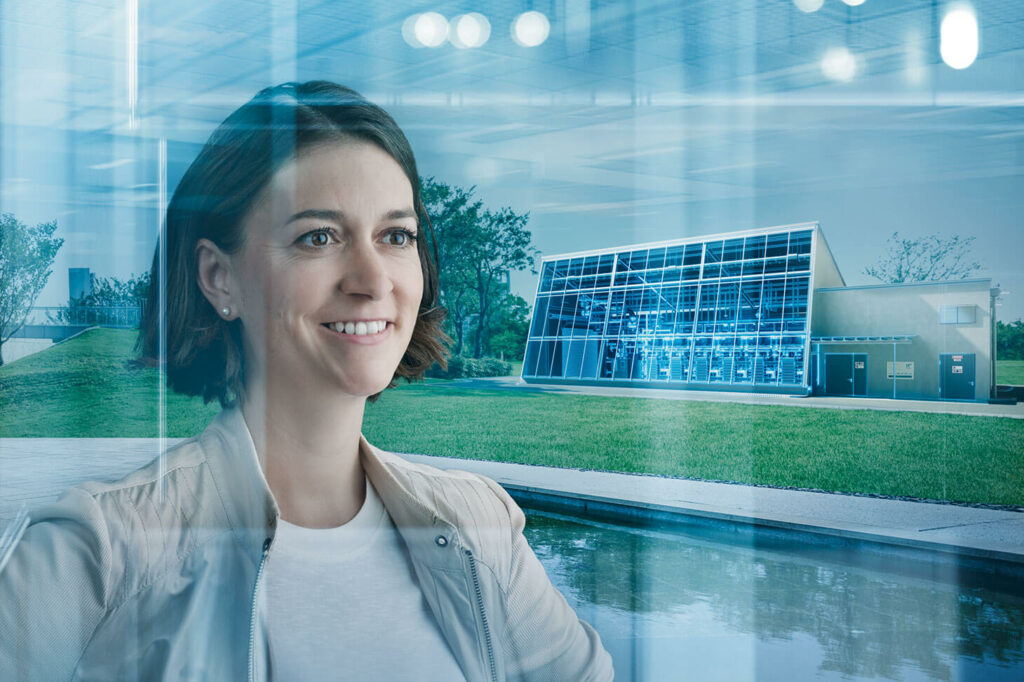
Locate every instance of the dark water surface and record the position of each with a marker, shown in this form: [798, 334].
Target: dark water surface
[733, 604]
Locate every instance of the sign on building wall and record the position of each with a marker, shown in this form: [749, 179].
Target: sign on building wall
[899, 370]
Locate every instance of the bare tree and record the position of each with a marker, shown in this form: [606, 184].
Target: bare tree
[924, 259]
[26, 255]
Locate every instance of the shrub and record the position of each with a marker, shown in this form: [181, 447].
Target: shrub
[460, 367]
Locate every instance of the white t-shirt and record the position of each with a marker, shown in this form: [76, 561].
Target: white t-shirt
[344, 604]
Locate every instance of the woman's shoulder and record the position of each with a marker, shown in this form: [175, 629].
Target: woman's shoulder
[485, 515]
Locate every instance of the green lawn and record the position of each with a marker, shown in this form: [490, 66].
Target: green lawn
[83, 388]
[1010, 372]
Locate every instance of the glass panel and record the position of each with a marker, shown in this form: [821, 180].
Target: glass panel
[721, 360]
[743, 359]
[591, 364]
[728, 299]
[772, 304]
[580, 322]
[800, 242]
[767, 360]
[674, 256]
[774, 265]
[561, 271]
[694, 253]
[708, 308]
[656, 259]
[598, 313]
[749, 305]
[590, 266]
[701, 365]
[713, 252]
[754, 247]
[546, 277]
[778, 245]
[795, 316]
[551, 320]
[753, 267]
[616, 313]
[733, 250]
[686, 310]
[540, 313]
[799, 264]
[572, 358]
[564, 313]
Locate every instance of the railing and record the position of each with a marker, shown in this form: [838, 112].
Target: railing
[119, 317]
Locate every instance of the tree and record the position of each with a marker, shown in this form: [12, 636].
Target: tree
[454, 216]
[106, 302]
[501, 245]
[26, 256]
[1010, 340]
[924, 259]
[510, 327]
[477, 249]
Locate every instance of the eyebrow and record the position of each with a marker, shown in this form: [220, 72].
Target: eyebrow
[339, 216]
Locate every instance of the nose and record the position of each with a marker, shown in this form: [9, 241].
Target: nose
[364, 273]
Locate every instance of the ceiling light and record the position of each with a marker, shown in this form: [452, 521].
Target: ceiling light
[839, 64]
[808, 5]
[429, 29]
[958, 38]
[854, 3]
[469, 30]
[530, 29]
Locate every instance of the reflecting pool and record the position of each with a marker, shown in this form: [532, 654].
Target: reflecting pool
[730, 603]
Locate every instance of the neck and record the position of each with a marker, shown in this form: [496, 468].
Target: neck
[308, 448]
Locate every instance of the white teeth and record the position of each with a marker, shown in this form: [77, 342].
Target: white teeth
[359, 328]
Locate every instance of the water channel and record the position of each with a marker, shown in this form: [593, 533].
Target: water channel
[714, 602]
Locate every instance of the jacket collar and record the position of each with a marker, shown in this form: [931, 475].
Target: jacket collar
[252, 511]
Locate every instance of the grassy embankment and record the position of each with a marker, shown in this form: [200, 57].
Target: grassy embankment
[83, 389]
[1010, 372]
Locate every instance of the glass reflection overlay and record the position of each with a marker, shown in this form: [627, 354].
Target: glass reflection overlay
[723, 312]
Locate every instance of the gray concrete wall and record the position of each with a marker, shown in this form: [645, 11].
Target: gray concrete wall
[906, 309]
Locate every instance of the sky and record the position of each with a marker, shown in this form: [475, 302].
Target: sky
[630, 122]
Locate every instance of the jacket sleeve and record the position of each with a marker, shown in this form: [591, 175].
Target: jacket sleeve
[546, 639]
[54, 590]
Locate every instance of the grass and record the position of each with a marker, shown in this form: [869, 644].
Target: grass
[83, 388]
[1010, 372]
[87, 388]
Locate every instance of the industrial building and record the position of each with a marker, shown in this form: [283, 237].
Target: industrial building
[763, 310]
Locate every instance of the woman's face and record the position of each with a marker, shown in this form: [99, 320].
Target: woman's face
[329, 277]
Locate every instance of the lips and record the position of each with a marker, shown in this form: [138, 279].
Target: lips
[360, 328]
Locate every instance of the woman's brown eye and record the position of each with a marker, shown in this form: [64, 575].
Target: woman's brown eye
[319, 239]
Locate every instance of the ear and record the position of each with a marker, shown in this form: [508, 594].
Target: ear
[215, 278]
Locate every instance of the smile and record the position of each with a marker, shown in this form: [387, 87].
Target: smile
[361, 328]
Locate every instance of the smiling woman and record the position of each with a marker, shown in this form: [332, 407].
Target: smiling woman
[299, 283]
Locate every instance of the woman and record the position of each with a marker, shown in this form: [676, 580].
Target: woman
[279, 542]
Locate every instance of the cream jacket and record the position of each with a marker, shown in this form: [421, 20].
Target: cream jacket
[155, 577]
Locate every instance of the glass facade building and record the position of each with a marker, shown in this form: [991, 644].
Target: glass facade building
[729, 311]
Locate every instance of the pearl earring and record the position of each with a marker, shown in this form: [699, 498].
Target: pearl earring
[225, 311]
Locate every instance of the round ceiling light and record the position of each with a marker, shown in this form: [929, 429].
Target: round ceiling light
[469, 30]
[530, 29]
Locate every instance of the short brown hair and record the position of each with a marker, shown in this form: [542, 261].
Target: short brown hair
[203, 353]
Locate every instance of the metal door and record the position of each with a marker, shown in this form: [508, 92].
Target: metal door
[956, 376]
[838, 374]
[860, 374]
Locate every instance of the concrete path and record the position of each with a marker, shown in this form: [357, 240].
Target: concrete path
[831, 402]
[963, 530]
[36, 470]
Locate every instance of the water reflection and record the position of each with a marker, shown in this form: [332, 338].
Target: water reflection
[709, 605]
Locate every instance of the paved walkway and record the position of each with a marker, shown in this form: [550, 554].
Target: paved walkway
[831, 402]
[980, 532]
[35, 470]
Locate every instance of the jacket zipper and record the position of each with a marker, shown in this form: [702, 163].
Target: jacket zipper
[252, 613]
[483, 614]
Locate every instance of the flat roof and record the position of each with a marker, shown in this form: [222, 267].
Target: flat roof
[947, 283]
[685, 240]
